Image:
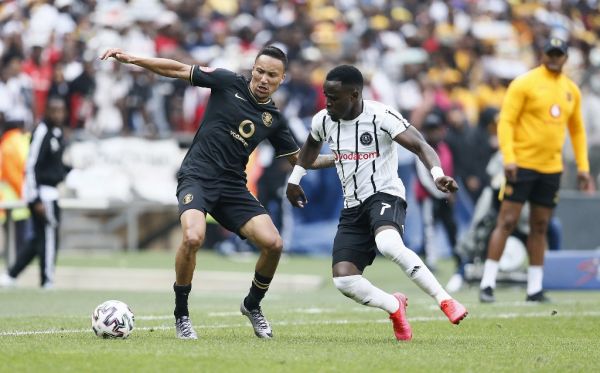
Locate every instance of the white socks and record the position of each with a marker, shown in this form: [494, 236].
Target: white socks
[363, 292]
[535, 275]
[490, 272]
[390, 244]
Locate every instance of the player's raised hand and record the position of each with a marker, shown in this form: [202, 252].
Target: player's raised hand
[446, 184]
[117, 54]
[296, 195]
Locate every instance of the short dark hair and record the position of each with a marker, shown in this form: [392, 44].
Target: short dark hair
[273, 51]
[55, 97]
[347, 75]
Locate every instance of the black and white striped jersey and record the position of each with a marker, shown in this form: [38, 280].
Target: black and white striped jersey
[366, 155]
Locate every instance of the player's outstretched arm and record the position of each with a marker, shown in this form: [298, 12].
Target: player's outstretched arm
[307, 157]
[160, 66]
[412, 140]
[322, 161]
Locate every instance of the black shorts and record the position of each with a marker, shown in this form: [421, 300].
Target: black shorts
[228, 202]
[535, 187]
[355, 238]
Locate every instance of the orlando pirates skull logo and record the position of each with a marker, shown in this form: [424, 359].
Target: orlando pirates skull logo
[366, 138]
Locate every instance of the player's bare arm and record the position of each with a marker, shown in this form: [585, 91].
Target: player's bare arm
[412, 140]
[308, 157]
[322, 161]
[160, 66]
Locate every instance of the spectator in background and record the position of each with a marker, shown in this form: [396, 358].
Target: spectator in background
[490, 92]
[39, 67]
[59, 87]
[301, 95]
[484, 144]
[459, 138]
[81, 95]
[16, 92]
[14, 146]
[44, 171]
[539, 108]
[436, 206]
[136, 114]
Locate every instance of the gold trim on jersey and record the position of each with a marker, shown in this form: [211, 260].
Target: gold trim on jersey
[286, 154]
[255, 98]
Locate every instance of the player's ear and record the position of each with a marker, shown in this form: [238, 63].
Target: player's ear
[282, 79]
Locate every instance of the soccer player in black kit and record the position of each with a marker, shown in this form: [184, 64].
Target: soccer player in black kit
[240, 114]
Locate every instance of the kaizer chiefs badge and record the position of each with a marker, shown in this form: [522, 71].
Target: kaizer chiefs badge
[555, 111]
[187, 198]
[267, 118]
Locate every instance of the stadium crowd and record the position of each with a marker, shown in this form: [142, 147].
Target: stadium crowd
[444, 64]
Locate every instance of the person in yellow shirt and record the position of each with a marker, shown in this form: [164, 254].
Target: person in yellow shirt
[539, 107]
[14, 146]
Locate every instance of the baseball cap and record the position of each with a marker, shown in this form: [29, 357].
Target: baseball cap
[556, 44]
[432, 120]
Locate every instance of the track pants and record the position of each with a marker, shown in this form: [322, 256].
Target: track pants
[43, 243]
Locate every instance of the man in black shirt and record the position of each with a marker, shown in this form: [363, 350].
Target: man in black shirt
[44, 170]
[240, 114]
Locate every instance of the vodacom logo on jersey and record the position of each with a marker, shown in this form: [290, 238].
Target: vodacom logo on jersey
[352, 156]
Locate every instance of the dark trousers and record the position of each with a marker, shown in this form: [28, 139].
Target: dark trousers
[434, 210]
[43, 244]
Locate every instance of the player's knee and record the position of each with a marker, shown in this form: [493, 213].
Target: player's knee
[539, 227]
[192, 240]
[273, 245]
[345, 284]
[389, 243]
[508, 223]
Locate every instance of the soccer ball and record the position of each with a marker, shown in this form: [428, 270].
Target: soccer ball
[112, 319]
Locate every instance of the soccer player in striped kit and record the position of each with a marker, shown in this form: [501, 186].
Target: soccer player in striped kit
[362, 136]
[44, 170]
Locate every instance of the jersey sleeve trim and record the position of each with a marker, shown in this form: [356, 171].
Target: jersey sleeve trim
[318, 133]
[398, 130]
[191, 74]
[286, 154]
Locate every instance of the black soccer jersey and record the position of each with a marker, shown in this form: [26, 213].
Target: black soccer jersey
[44, 168]
[233, 125]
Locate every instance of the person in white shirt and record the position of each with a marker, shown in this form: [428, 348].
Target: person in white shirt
[361, 135]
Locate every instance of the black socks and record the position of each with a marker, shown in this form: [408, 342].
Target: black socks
[260, 285]
[181, 299]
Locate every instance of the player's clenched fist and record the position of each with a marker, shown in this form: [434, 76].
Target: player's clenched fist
[296, 195]
[446, 184]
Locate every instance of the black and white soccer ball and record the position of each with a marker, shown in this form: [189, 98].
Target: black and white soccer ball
[112, 319]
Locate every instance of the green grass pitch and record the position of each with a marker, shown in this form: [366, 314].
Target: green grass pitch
[316, 328]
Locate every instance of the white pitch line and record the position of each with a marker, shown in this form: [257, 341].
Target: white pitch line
[320, 322]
